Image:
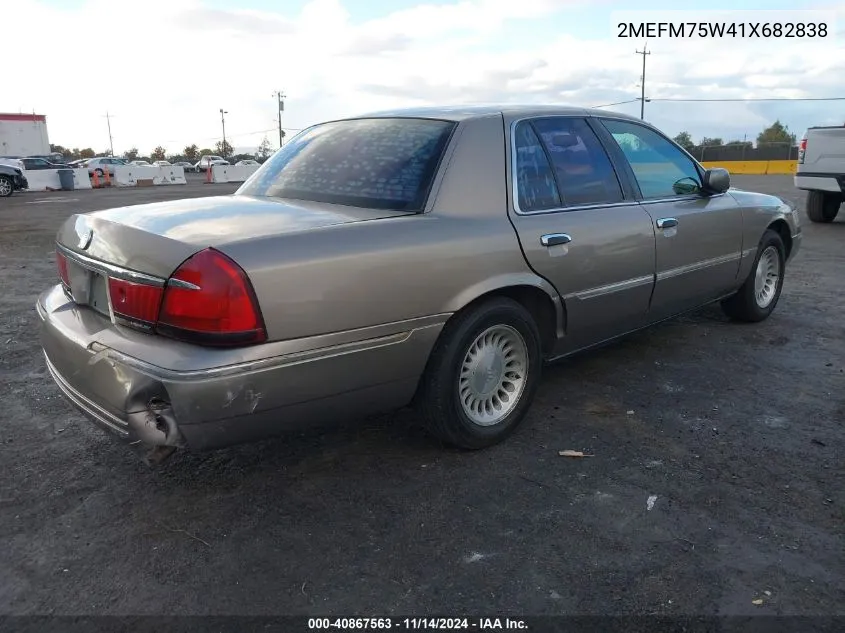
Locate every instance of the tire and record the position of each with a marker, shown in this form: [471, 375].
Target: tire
[501, 324]
[99, 173]
[754, 302]
[7, 187]
[822, 207]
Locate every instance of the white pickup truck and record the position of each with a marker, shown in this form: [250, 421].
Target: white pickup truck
[821, 171]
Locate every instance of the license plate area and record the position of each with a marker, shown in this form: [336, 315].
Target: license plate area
[89, 288]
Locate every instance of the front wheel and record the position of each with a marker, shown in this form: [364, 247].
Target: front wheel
[759, 295]
[823, 207]
[482, 375]
[7, 187]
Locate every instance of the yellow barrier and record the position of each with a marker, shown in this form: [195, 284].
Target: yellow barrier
[782, 167]
[754, 167]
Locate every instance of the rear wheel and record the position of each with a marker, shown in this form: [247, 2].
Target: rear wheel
[7, 187]
[759, 295]
[823, 206]
[482, 375]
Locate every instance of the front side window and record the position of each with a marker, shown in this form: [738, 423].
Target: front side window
[382, 163]
[661, 169]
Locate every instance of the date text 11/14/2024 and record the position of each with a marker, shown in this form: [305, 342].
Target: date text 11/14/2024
[417, 624]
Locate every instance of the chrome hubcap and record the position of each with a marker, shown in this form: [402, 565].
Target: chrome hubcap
[493, 375]
[5, 187]
[766, 277]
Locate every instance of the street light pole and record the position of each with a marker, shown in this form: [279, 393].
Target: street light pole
[223, 121]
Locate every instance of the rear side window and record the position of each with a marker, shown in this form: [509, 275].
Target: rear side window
[583, 170]
[375, 163]
[535, 181]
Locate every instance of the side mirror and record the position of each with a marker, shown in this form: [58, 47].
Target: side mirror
[717, 180]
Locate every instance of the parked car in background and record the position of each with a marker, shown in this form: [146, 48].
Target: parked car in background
[205, 161]
[140, 163]
[821, 171]
[247, 163]
[162, 163]
[438, 260]
[12, 162]
[41, 163]
[79, 163]
[11, 180]
[103, 164]
[188, 167]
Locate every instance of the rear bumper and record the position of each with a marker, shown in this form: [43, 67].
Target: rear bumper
[214, 398]
[820, 182]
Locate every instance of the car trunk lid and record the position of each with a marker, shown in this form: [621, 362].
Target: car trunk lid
[153, 239]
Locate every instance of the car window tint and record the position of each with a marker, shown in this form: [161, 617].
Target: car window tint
[535, 182]
[382, 163]
[661, 168]
[584, 172]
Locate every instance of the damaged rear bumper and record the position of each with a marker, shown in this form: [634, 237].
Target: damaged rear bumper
[158, 394]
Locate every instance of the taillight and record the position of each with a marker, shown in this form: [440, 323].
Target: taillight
[209, 300]
[61, 264]
[139, 302]
[802, 149]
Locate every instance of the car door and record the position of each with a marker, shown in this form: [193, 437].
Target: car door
[578, 228]
[698, 236]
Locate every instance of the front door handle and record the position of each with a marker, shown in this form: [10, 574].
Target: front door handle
[666, 223]
[554, 239]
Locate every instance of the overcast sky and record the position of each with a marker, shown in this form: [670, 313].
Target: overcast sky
[164, 68]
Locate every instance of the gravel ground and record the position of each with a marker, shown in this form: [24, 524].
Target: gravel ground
[734, 432]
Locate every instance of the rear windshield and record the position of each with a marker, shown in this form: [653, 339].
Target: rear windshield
[374, 163]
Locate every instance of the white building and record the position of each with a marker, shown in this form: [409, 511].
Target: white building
[23, 135]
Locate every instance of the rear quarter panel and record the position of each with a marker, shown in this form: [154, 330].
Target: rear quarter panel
[376, 272]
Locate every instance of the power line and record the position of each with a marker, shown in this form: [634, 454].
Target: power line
[755, 99]
[607, 105]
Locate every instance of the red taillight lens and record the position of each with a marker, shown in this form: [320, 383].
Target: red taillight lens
[803, 145]
[135, 301]
[61, 264]
[210, 300]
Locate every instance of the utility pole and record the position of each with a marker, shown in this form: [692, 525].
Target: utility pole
[280, 96]
[643, 52]
[111, 144]
[223, 121]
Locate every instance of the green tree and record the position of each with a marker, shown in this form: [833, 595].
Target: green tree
[223, 148]
[711, 142]
[58, 149]
[685, 140]
[86, 153]
[264, 149]
[131, 153]
[191, 152]
[205, 152]
[158, 153]
[777, 132]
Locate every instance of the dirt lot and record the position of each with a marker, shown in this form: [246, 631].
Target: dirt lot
[737, 431]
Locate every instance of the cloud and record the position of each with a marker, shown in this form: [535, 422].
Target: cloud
[181, 62]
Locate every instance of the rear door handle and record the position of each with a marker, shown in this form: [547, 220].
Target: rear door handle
[666, 223]
[554, 239]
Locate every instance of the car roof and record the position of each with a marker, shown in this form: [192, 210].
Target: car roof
[465, 112]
